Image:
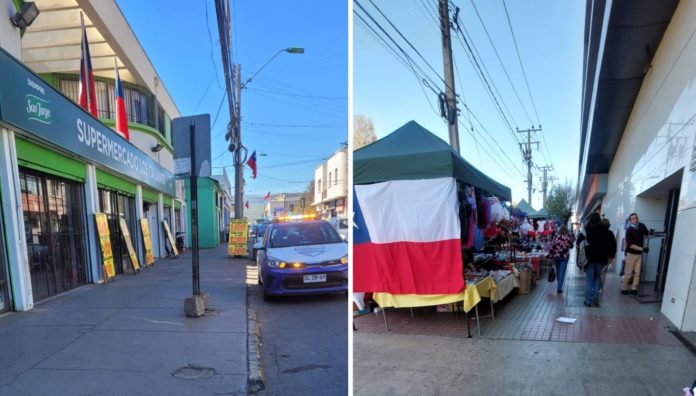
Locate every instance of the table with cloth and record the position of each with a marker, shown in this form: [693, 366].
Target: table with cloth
[469, 297]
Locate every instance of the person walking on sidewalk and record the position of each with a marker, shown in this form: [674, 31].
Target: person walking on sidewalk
[560, 246]
[600, 248]
[603, 275]
[635, 234]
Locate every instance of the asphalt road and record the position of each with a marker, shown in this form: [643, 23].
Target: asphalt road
[304, 342]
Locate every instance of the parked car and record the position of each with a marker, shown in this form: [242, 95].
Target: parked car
[300, 257]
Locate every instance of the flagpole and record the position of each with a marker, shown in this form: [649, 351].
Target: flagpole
[83, 73]
[116, 77]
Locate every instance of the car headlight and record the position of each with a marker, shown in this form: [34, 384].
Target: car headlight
[275, 263]
[344, 259]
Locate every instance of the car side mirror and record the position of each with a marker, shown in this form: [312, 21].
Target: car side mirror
[259, 246]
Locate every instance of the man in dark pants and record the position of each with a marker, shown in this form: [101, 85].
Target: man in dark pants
[600, 248]
[635, 234]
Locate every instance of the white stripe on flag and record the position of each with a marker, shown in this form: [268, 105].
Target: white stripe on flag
[410, 210]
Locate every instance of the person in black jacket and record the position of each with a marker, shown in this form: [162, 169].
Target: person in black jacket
[600, 248]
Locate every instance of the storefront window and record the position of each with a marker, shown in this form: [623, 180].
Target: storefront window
[117, 206]
[53, 224]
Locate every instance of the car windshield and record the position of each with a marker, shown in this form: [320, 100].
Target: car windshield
[301, 234]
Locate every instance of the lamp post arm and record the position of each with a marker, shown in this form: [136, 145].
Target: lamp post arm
[262, 67]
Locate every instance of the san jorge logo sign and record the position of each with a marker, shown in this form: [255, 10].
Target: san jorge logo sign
[37, 108]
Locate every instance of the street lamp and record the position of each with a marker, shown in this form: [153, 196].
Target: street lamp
[289, 50]
[235, 134]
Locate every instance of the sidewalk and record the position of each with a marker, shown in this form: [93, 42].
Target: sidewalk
[131, 336]
[621, 348]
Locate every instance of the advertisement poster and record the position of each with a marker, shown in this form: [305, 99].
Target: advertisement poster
[237, 243]
[129, 245]
[105, 243]
[147, 242]
[170, 238]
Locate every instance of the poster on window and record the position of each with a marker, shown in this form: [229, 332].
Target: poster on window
[237, 240]
[105, 243]
[168, 233]
[129, 245]
[147, 242]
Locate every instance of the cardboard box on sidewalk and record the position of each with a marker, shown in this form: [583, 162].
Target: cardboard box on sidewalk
[525, 278]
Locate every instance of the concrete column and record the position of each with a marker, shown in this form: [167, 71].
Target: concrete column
[139, 215]
[13, 216]
[160, 231]
[92, 206]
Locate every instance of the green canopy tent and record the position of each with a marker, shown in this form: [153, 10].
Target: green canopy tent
[412, 152]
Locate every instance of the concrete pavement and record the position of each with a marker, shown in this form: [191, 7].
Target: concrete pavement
[131, 336]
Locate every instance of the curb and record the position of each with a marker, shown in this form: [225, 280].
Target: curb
[255, 378]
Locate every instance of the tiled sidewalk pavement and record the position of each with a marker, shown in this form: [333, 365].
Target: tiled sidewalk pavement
[620, 319]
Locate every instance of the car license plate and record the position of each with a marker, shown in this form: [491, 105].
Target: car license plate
[314, 278]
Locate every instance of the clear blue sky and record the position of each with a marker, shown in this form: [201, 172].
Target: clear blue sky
[549, 35]
[295, 110]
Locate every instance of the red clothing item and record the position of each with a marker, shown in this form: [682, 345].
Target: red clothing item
[560, 245]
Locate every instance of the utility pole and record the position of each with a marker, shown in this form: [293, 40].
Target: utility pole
[450, 95]
[545, 181]
[527, 155]
[238, 161]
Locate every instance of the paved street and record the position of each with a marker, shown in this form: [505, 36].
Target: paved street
[131, 337]
[304, 342]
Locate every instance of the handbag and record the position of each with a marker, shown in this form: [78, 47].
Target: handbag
[552, 274]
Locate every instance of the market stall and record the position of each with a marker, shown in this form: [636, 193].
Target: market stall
[417, 203]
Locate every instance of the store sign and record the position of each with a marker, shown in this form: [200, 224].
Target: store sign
[147, 242]
[237, 243]
[28, 103]
[129, 245]
[105, 243]
[170, 238]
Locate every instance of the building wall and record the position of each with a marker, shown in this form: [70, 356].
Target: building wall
[657, 143]
[338, 162]
[208, 218]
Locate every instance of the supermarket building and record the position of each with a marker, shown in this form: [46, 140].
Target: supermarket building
[61, 165]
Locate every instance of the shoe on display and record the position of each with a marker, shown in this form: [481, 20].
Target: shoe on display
[624, 291]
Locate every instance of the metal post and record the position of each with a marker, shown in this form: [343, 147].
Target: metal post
[449, 76]
[194, 212]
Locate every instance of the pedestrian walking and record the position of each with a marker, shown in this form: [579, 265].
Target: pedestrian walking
[603, 275]
[559, 250]
[600, 248]
[635, 234]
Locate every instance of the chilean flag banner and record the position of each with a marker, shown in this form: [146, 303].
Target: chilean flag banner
[252, 164]
[407, 237]
[121, 116]
[88, 95]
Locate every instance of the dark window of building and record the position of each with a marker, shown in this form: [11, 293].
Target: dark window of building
[117, 206]
[53, 225]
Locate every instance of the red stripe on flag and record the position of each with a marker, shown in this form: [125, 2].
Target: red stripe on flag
[408, 267]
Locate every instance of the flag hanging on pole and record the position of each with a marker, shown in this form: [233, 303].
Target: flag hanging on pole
[88, 94]
[121, 116]
[246, 205]
[252, 164]
[267, 196]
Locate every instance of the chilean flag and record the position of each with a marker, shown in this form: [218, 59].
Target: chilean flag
[88, 95]
[252, 164]
[406, 237]
[121, 116]
[267, 196]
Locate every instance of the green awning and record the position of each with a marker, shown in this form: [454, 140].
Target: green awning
[411, 153]
[150, 195]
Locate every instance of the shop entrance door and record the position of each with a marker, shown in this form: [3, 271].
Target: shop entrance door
[117, 206]
[150, 211]
[54, 229]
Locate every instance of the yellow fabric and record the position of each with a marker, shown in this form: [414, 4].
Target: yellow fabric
[469, 296]
[487, 287]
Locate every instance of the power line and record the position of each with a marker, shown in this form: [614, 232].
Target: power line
[210, 38]
[501, 62]
[294, 126]
[521, 65]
